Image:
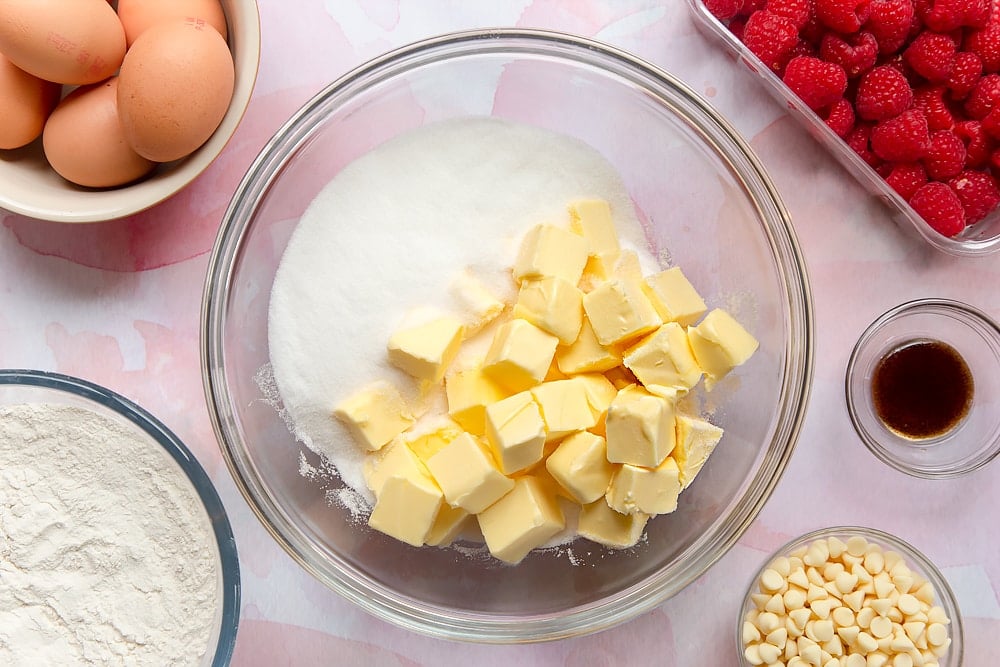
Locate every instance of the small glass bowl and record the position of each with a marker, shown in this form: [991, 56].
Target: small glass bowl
[975, 440]
[916, 561]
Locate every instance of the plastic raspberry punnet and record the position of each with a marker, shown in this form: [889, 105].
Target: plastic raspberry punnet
[882, 93]
[855, 53]
[940, 207]
[904, 138]
[818, 83]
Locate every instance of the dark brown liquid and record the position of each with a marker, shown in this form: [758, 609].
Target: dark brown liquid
[922, 389]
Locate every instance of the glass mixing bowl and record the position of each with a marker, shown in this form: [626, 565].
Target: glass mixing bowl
[709, 206]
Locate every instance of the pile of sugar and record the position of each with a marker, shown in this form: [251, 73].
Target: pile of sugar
[393, 232]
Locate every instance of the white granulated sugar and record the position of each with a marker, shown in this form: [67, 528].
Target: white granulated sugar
[106, 553]
[392, 232]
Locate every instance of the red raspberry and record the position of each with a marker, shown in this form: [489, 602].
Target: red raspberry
[930, 100]
[991, 124]
[940, 207]
[890, 22]
[964, 75]
[978, 146]
[906, 178]
[983, 97]
[751, 6]
[985, 43]
[796, 11]
[723, 9]
[801, 48]
[855, 53]
[842, 15]
[932, 56]
[771, 38]
[813, 30]
[859, 139]
[945, 15]
[883, 93]
[946, 156]
[818, 83]
[840, 117]
[978, 192]
[994, 161]
[904, 138]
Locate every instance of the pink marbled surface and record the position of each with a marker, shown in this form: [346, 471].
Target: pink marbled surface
[118, 303]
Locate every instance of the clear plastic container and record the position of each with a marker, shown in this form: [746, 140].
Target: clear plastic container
[979, 239]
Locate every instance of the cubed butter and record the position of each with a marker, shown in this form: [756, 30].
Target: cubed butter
[618, 310]
[586, 354]
[469, 391]
[526, 518]
[591, 219]
[375, 415]
[394, 459]
[696, 439]
[477, 302]
[553, 305]
[447, 526]
[516, 432]
[674, 297]
[407, 508]
[640, 428]
[664, 358]
[580, 465]
[600, 391]
[426, 445]
[565, 407]
[720, 343]
[468, 475]
[551, 251]
[599, 523]
[426, 350]
[519, 355]
[648, 490]
[627, 267]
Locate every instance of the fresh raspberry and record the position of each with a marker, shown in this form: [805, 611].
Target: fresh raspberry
[985, 43]
[946, 156]
[751, 6]
[796, 11]
[978, 146]
[945, 15]
[932, 56]
[889, 21]
[859, 139]
[817, 82]
[904, 138]
[723, 9]
[964, 75]
[801, 48]
[840, 117]
[906, 178]
[994, 161]
[991, 124]
[883, 93]
[983, 97]
[930, 100]
[855, 53]
[978, 192]
[842, 15]
[771, 38]
[813, 30]
[940, 207]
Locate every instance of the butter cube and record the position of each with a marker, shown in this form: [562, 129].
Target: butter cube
[720, 343]
[586, 354]
[648, 490]
[553, 305]
[565, 407]
[516, 432]
[591, 219]
[640, 428]
[618, 310]
[525, 518]
[448, 525]
[600, 392]
[599, 523]
[467, 475]
[551, 251]
[696, 439]
[479, 304]
[407, 508]
[664, 358]
[519, 355]
[426, 445]
[425, 351]
[395, 459]
[674, 298]
[375, 415]
[626, 267]
[469, 392]
[580, 465]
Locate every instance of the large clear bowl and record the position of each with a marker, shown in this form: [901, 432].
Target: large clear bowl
[710, 207]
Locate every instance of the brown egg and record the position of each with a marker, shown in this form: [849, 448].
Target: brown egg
[84, 143]
[139, 15]
[25, 103]
[75, 42]
[174, 88]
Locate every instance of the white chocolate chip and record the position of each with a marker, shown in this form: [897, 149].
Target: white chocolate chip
[855, 660]
[925, 593]
[822, 608]
[816, 593]
[835, 547]
[880, 627]
[811, 654]
[902, 660]
[771, 581]
[937, 615]
[857, 546]
[777, 637]
[815, 576]
[781, 565]
[849, 634]
[750, 633]
[776, 605]
[883, 585]
[846, 582]
[908, 604]
[769, 653]
[866, 642]
[823, 629]
[903, 582]
[855, 600]
[842, 616]
[798, 578]
[876, 660]
[832, 569]
[768, 622]
[874, 561]
[937, 634]
[794, 598]
[865, 616]
[800, 617]
[752, 654]
[914, 630]
[880, 606]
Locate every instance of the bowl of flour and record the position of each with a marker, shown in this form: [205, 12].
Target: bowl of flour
[114, 547]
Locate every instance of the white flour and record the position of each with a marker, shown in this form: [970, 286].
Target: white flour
[106, 554]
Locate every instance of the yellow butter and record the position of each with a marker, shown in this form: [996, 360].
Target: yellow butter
[526, 518]
[551, 251]
[426, 445]
[478, 303]
[720, 343]
[664, 358]
[640, 428]
[599, 523]
[586, 354]
[516, 432]
[580, 465]
[519, 355]
[696, 439]
[598, 269]
[620, 377]
[469, 391]
[468, 475]
[425, 351]
[394, 459]
[674, 297]
[407, 508]
[375, 415]
[647, 490]
[565, 407]
[591, 219]
[448, 525]
[626, 267]
[553, 305]
[600, 392]
[618, 310]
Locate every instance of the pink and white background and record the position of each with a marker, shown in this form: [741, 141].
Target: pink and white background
[118, 303]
